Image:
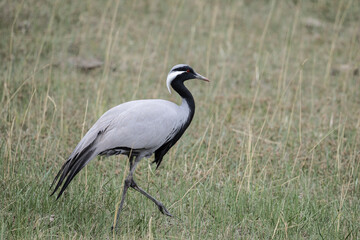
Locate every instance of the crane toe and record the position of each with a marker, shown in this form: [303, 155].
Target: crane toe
[163, 210]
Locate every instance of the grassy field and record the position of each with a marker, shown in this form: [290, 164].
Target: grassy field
[274, 147]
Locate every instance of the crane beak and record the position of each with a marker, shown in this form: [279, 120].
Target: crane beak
[198, 76]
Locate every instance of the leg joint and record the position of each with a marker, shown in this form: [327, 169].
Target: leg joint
[133, 184]
[128, 182]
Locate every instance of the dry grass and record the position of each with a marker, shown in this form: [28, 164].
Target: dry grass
[273, 151]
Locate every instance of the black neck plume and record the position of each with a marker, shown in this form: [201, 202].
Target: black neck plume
[179, 87]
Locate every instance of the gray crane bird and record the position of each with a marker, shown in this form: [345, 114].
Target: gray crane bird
[136, 129]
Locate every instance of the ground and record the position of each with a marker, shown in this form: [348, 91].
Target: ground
[273, 150]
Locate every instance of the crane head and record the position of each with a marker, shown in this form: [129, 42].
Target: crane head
[182, 72]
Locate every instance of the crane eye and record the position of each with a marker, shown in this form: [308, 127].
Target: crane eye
[188, 70]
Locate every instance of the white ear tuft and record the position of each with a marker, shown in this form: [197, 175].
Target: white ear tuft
[168, 86]
[171, 76]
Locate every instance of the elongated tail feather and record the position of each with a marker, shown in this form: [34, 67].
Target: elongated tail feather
[73, 166]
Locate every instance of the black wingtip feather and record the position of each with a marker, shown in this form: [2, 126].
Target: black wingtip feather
[72, 167]
[80, 164]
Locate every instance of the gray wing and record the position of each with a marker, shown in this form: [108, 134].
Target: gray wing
[143, 124]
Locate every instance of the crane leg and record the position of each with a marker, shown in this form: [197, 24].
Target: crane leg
[161, 206]
[127, 184]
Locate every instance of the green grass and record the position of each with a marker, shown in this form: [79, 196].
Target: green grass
[273, 150]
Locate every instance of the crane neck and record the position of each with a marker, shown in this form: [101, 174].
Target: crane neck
[185, 94]
[186, 114]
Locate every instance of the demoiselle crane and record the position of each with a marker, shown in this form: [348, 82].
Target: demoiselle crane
[136, 129]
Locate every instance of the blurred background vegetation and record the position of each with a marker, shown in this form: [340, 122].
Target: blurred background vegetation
[273, 150]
